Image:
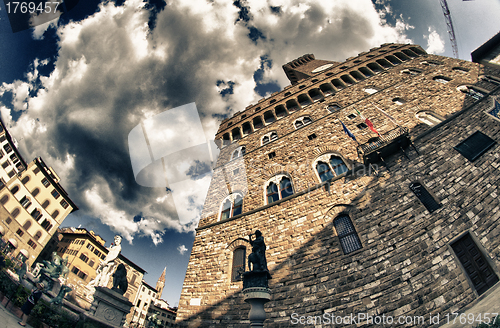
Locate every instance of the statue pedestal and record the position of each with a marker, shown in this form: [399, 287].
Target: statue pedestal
[256, 293]
[109, 307]
[257, 297]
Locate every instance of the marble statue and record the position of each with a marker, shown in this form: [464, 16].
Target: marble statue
[107, 266]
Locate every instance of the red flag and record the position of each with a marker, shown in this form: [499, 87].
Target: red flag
[370, 125]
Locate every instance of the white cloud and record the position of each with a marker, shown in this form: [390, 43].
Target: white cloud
[435, 44]
[111, 73]
[182, 249]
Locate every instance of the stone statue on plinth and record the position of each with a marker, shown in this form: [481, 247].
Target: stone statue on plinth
[109, 306]
[255, 282]
[107, 266]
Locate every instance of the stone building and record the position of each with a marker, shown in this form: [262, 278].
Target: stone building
[403, 223]
[164, 313]
[33, 202]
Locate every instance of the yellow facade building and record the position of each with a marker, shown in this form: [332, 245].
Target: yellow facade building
[33, 203]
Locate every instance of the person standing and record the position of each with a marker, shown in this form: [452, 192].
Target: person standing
[30, 303]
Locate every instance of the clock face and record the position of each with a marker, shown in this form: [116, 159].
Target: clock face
[321, 68]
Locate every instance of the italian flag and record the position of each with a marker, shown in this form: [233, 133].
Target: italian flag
[368, 122]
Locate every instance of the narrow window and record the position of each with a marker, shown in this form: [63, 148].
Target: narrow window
[35, 192]
[333, 108]
[27, 225]
[45, 203]
[64, 204]
[324, 171]
[247, 128]
[14, 190]
[20, 232]
[424, 196]
[475, 145]
[55, 214]
[4, 199]
[32, 244]
[312, 136]
[238, 206]
[269, 117]
[280, 111]
[272, 193]
[45, 182]
[25, 179]
[330, 166]
[15, 212]
[286, 187]
[226, 210]
[441, 79]
[38, 235]
[226, 140]
[428, 118]
[346, 232]
[7, 148]
[36, 170]
[238, 264]
[257, 123]
[304, 100]
[55, 194]
[271, 155]
[236, 134]
[36, 214]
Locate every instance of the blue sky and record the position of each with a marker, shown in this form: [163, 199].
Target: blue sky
[74, 88]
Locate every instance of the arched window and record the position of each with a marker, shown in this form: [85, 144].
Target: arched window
[370, 91]
[25, 179]
[247, 128]
[278, 187]
[471, 91]
[36, 214]
[238, 152]
[347, 234]
[45, 203]
[27, 225]
[4, 199]
[333, 107]
[238, 267]
[429, 118]
[55, 214]
[232, 205]
[257, 123]
[14, 190]
[38, 235]
[35, 192]
[441, 79]
[329, 166]
[46, 225]
[25, 202]
[271, 136]
[15, 212]
[236, 134]
[398, 101]
[300, 122]
[269, 117]
[304, 100]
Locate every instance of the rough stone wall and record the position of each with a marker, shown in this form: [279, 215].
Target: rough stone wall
[405, 265]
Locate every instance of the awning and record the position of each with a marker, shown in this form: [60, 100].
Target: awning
[2, 230]
[24, 252]
[13, 242]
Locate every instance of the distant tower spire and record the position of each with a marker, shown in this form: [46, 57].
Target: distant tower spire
[160, 283]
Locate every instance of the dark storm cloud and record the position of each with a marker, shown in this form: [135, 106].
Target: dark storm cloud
[112, 72]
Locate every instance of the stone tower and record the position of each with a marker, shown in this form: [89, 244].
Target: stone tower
[160, 284]
[401, 221]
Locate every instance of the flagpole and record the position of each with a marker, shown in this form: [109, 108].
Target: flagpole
[387, 115]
